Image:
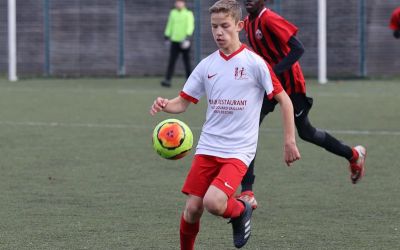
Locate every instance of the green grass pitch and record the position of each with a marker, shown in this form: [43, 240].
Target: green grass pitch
[77, 170]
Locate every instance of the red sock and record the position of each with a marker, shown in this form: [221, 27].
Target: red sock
[233, 208]
[355, 156]
[188, 233]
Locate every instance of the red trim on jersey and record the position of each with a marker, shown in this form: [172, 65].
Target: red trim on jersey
[276, 84]
[270, 96]
[188, 97]
[242, 47]
[395, 19]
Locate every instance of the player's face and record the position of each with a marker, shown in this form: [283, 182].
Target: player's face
[179, 5]
[226, 31]
[253, 6]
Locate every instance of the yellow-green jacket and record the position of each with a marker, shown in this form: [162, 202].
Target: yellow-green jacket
[180, 25]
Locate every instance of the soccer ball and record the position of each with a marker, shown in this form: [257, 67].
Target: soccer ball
[172, 139]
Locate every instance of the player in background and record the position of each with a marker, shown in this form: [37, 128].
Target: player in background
[275, 40]
[395, 23]
[179, 29]
[235, 81]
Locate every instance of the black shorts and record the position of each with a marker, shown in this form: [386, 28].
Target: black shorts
[301, 104]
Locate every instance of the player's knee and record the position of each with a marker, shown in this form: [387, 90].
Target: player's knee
[193, 210]
[306, 134]
[214, 205]
[312, 135]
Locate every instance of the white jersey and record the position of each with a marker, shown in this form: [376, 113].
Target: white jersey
[235, 86]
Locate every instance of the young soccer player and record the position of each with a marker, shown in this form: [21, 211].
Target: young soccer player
[395, 23]
[235, 81]
[274, 39]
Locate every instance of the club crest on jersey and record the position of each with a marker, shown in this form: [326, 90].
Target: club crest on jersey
[240, 73]
[259, 34]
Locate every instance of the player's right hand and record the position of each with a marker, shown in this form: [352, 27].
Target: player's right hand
[158, 105]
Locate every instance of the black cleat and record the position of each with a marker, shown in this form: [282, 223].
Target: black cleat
[166, 83]
[242, 226]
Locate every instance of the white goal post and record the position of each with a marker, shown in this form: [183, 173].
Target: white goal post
[322, 42]
[12, 41]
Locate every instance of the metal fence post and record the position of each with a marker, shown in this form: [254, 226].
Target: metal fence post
[197, 34]
[47, 30]
[121, 38]
[363, 65]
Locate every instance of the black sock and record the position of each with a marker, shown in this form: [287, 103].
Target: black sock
[334, 146]
[247, 187]
[248, 178]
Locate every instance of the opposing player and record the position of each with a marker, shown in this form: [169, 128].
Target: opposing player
[395, 23]
[235, 81]
[274, 39]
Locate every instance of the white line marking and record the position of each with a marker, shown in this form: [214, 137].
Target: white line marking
[71, 125]
[81, 90]
[132, 126]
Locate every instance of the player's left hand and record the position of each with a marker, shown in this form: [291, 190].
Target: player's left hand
[185, 44]
[292, 153]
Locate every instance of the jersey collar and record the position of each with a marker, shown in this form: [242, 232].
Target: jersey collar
[262, 12]
[242, 47]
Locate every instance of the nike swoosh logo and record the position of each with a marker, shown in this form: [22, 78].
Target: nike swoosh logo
[227, 185]
[299, 114]
[211, 76]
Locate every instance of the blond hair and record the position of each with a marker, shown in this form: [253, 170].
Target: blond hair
[230, 7]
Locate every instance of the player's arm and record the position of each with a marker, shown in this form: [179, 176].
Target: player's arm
[173, 106]
[168, 27]
[296, 51]
[291, 153]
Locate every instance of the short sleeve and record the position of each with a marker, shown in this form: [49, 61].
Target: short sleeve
[268, 79]
[279, 26]
[194, 89]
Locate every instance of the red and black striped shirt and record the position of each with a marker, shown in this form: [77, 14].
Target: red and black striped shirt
[395, 19]
[268, 34]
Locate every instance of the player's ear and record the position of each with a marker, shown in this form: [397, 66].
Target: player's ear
[240, 25]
